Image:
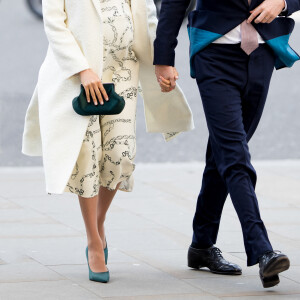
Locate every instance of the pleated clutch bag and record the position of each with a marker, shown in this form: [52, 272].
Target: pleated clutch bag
[113, 106]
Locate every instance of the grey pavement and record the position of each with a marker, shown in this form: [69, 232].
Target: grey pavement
[23, 48]
[42, 238]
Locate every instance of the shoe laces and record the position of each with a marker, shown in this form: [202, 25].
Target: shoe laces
[217, 252]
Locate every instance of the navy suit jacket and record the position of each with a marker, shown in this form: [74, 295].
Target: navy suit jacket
[213, 19]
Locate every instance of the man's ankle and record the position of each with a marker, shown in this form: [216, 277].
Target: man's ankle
[200, 247]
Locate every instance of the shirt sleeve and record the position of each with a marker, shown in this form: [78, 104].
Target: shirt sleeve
[170, 20]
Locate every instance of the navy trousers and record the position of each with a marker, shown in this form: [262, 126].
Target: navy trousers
[233, 88]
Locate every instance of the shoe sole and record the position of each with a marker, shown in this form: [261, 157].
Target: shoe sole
[215, 272]
[270, 281]
[98, 280]
[276, 266]
[226, 273]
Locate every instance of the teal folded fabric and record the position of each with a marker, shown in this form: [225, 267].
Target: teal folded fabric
[285, 55]
[199, 39]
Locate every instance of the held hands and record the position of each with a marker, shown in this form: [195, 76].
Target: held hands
[93, 87]
[166, 77]
[267, 11]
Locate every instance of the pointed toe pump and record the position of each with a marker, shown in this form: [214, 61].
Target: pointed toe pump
[106, 252]
[96, 276]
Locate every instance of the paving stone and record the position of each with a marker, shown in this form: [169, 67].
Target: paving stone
[174, 262]
[46, 290]
[277, 216]
[279, 188]
[142, 189]
[24, 216]
[7, 204]
[27, 270]
[281, 242]
[287, 168]
[23, 229]
[47, 250]
[145, 203]
[119, 256]
[177, 221]
[122, 219]
[291, 231]
[239, 286]
[32, 182]
[294, 256]
[173, 188]
[293, 273]
[148, 231]
[51, 204]
[266, 203]
[148, 239]
[128, 280]
[63, 209]
[230, 241]
[168, 297]
[265, 297]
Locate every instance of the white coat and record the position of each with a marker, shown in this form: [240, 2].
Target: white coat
[74, 30]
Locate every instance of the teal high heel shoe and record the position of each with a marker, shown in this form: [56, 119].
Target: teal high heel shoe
[96, 276]
[106, 252]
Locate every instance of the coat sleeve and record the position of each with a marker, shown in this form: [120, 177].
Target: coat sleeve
[66, 50]
[167, 113]
[292, 6]
[170, 20]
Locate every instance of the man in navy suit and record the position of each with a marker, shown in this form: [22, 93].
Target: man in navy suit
[235, 45]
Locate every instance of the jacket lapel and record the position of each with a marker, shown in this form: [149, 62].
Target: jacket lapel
[97, 6]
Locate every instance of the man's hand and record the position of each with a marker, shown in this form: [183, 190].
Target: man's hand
[166, 77]
[267, 11]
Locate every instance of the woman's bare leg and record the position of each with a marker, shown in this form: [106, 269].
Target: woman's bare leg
[95, 246]
[105, 198]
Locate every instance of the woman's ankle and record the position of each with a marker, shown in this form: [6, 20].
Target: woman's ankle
[95, 244]
[101, 231]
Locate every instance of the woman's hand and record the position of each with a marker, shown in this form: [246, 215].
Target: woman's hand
[166, 76]
[93, 87]
[267, 11]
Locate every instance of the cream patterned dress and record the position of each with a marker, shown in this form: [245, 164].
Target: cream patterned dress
[109, 147]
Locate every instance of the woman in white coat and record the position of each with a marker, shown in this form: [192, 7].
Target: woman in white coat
[93, 42]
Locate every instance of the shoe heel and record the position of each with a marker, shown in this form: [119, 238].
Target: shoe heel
[106, 252]
[269, 282]
[195, 266]
[193, 261]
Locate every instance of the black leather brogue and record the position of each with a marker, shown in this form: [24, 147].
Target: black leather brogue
[270, 265]
[212, 259]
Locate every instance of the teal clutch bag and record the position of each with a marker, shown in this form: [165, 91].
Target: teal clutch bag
[113, 106]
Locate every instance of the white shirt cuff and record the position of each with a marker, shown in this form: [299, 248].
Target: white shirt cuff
[285, 7]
